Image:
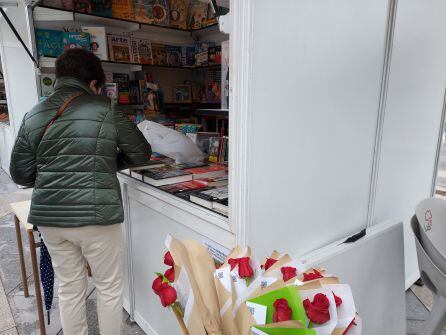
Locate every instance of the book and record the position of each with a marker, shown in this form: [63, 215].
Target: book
[110, 90]
[102, 8]
[165, 176]
[214, 149]
[160, 12]
[225, 75]
[123, 9]
[221, 206]
[201, 139]
[210, 171]
[207, 198]
[119, 48]
[47, 83]
[178, 13]
[143, 10]
[143, 49]
[72, 40]
[98, 41]
[215, 182]
[49, 42]
[123, 85]
[83, 6]
[214, 54]
[138, 172]
[134, 55]
[159, 54]
[188, 56]
[198, 14]
[174, 56]
[186, 186]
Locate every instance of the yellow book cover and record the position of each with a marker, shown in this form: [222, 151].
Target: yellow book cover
[123, 9]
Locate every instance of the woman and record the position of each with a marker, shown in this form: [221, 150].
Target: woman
[69, 148]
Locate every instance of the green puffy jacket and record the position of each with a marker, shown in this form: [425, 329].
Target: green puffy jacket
[73, 166]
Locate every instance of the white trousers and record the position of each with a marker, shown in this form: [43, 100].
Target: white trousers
[102, 247]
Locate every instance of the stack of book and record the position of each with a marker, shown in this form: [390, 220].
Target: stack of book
[203, 184]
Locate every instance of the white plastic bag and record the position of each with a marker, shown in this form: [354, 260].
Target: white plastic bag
[171, 143]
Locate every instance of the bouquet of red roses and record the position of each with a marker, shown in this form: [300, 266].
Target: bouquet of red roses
[245, 297]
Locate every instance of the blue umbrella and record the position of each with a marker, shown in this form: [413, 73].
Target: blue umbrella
[46, 275]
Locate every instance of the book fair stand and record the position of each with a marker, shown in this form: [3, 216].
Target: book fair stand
[298, 136]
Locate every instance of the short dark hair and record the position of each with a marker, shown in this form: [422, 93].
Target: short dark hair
[80, 64]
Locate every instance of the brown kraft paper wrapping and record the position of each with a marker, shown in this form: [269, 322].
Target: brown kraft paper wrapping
[180, 257]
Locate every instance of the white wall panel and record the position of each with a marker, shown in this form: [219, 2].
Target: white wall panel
[413, 115]
[317, 68]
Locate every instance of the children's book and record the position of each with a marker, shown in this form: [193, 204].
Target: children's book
[47, 83]
[123, 9]
[160, 12]
[198, 14]
[144, 10]
[122, 80]
[144, 51]
[102, 8]
[73, 40]
[159, 54]
[174, 55]
[110, 90]
[119, 48]
[49, 42]
[98, 41]
[178, 13]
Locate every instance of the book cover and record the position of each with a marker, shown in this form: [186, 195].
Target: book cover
[165, 173]
[123, 9]
[198, 14]
[110, 90]
[214, 149]
[144, 11]
[49, 42]
[47, 83]
[122, 80]
[144, 50]
[178, 13]
[174, 56]
[159, 54]
[207, 171]
[192, 185]
[83, 6]
[98, 41]
[102, 8]
[225, 75]
[72, 40]
[215, 194]
[188, 56]
[160, 12]
[119, 48]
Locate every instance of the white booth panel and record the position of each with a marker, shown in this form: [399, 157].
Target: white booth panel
[317, 68]
[413, 116]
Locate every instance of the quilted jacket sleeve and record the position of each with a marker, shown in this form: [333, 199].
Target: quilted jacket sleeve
[23, 160]
[133, 148]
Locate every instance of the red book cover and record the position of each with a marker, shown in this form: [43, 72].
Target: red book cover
[207, 169]
[185, 186]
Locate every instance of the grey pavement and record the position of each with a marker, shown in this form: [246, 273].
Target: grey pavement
[18, 315]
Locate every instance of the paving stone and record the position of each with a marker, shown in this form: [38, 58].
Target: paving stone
[6, 320]
[10, 331]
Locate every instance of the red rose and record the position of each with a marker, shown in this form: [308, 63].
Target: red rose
[168, 295]
[288, 272]
[282, 311]
[158, 284]
[170, 274]
[312, 276]
[244, 269]
[233, 262]
[338, 300]
[168, 259]
[269, 262]
[317, 311]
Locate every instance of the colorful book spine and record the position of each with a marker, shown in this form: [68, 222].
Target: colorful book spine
[76, 40]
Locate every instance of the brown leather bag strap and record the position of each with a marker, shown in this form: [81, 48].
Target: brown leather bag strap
[61, 110]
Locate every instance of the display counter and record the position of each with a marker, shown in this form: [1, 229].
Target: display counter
[151, 214]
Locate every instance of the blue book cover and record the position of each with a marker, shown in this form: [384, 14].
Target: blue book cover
[49, 42]
[76, 40]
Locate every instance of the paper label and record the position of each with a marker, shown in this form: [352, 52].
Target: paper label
[223, 275]
[257, 311]
[266, 281]
[256, 331]
[217, 251]
[185, 294]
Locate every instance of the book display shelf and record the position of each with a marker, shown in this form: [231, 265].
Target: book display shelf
[180, 69]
